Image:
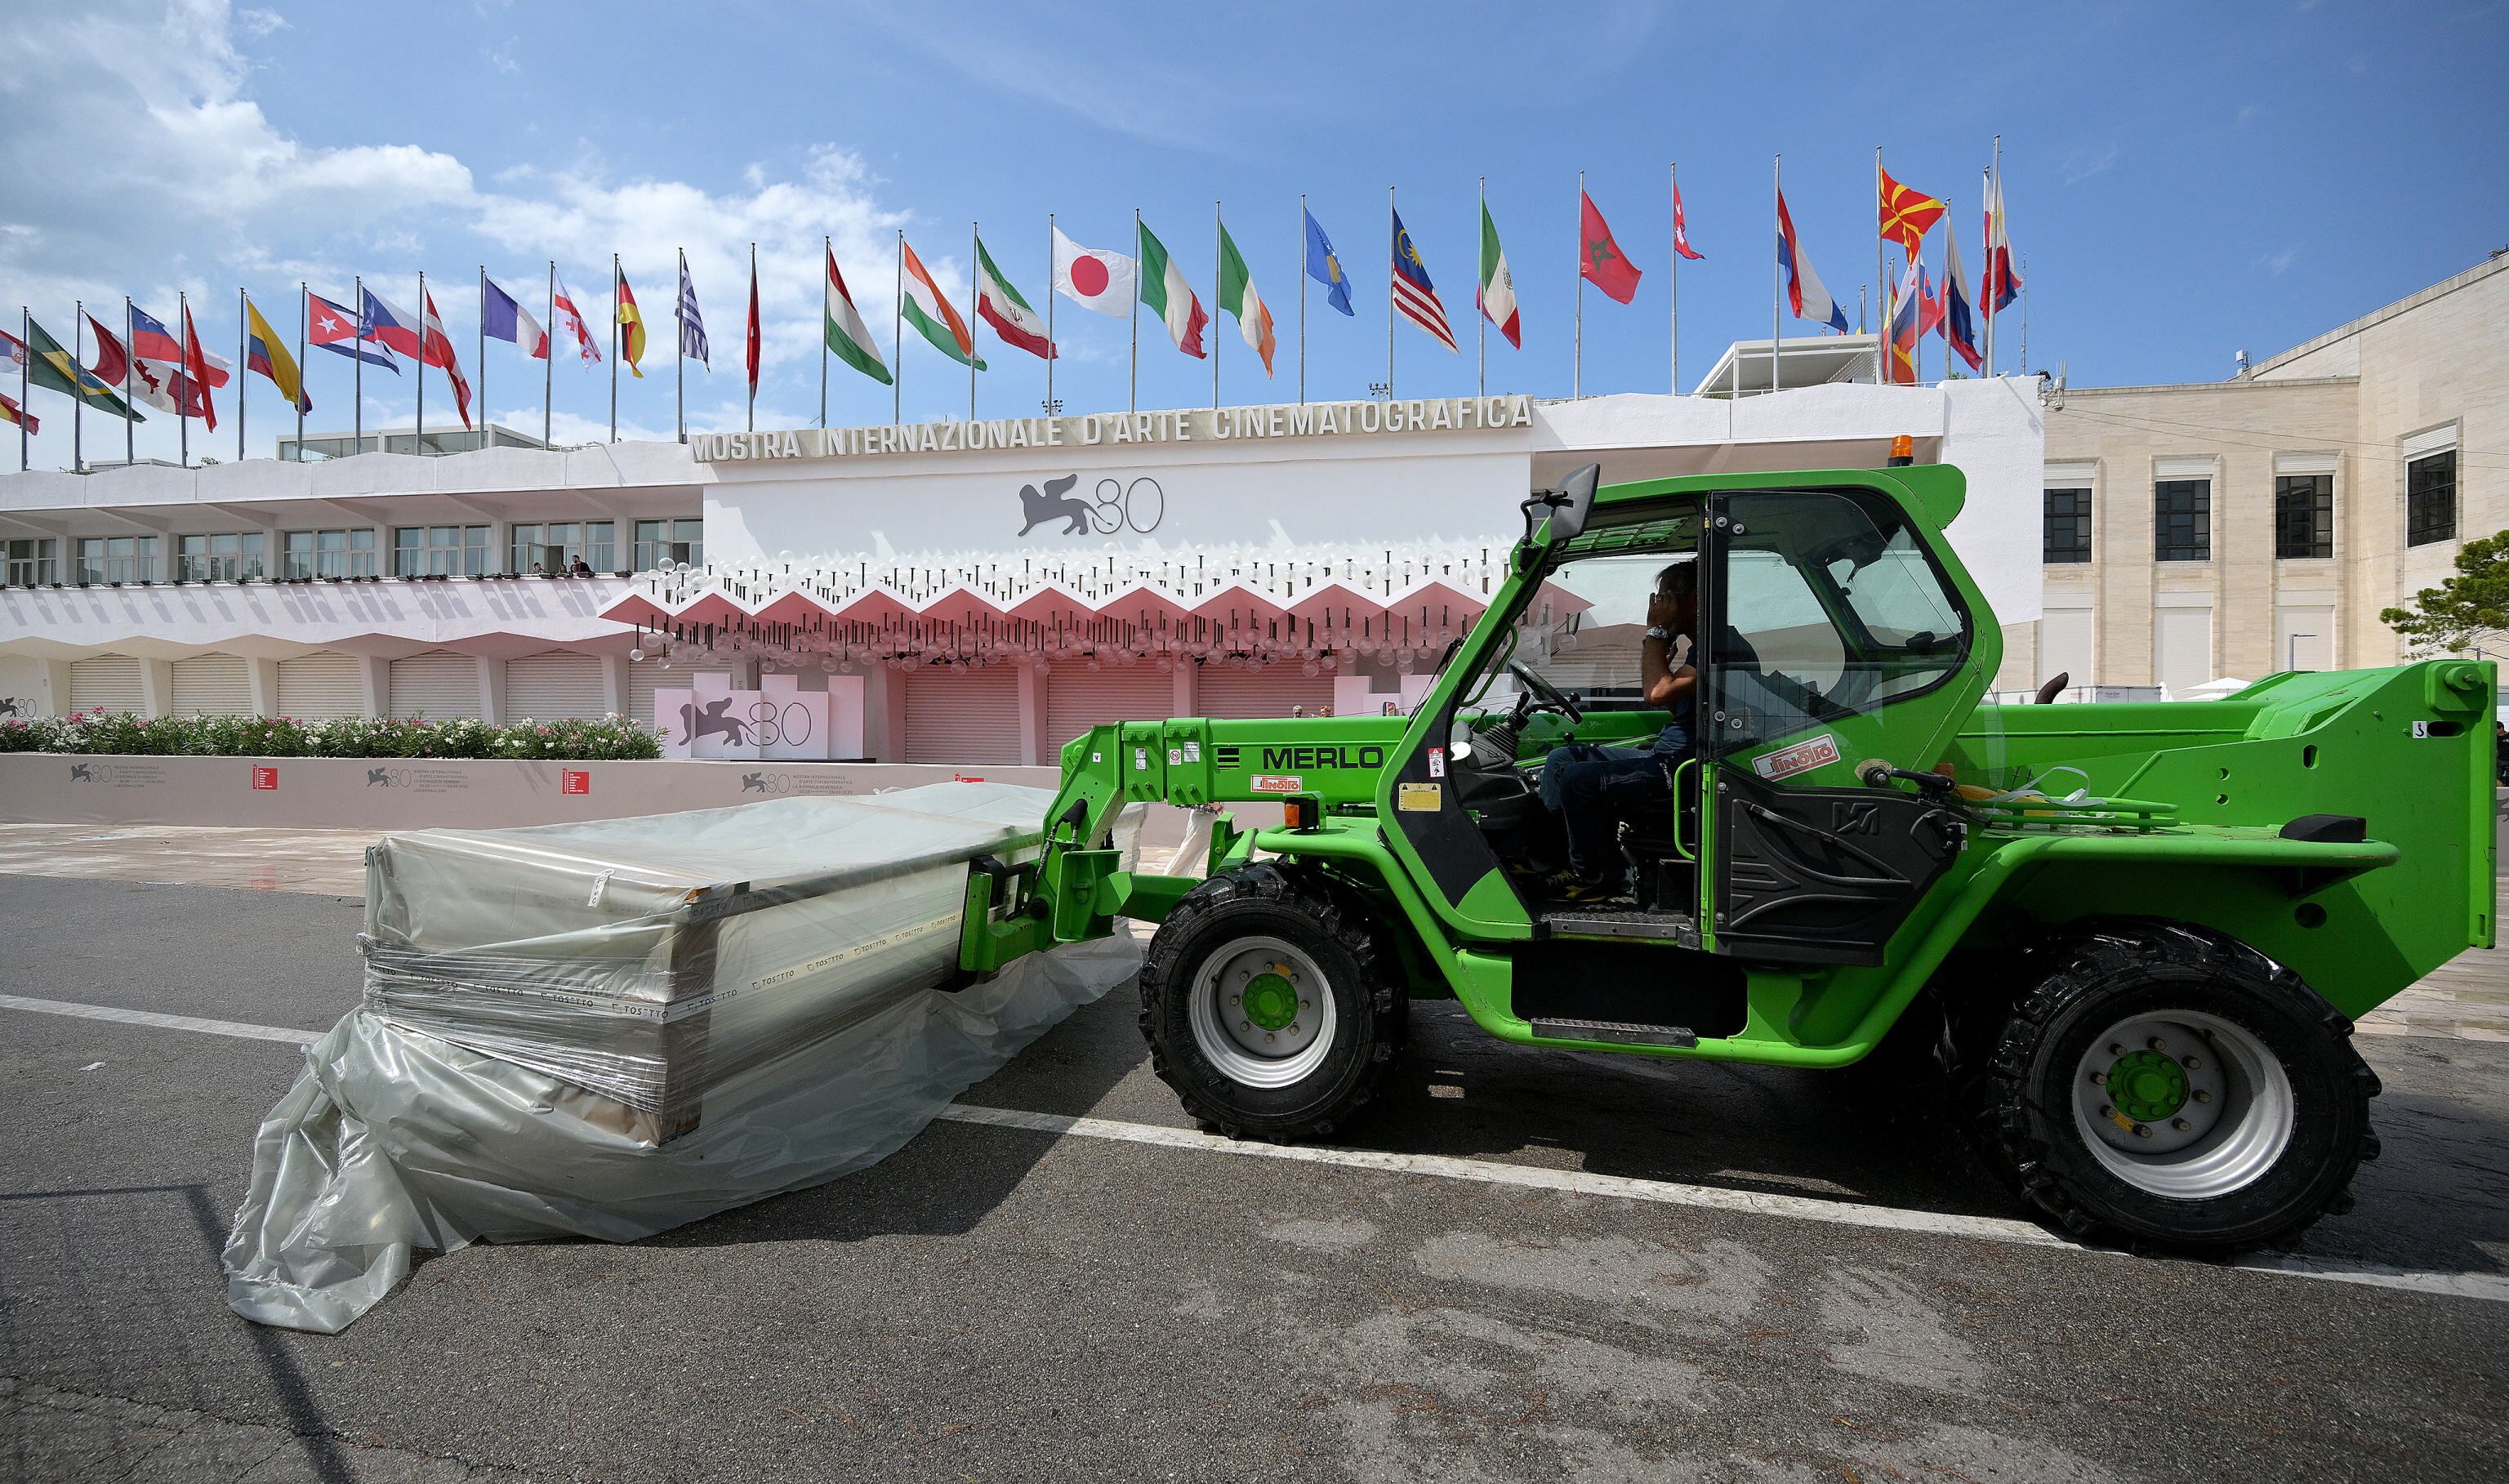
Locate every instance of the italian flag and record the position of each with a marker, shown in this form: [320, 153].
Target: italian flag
[1005, 311]
[928, 310]
[848, 335]
[1168, 296]
[1238, 297]
[1497, 293]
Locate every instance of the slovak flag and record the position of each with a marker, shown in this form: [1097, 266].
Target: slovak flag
[1960, 324]
[337, 330]
[1805, 294]
[502, 318]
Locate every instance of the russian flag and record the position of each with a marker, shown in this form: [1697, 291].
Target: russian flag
[1960, 323]
[503, 318]
[1805, 293]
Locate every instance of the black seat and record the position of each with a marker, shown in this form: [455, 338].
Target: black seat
[1653, 838]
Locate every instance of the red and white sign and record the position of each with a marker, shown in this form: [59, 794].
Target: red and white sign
[265, 777]
[1803, 757]
[1276, 783]
[573, 781]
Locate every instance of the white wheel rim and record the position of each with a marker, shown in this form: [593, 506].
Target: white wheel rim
[1261, 1055]
[2229, 1107]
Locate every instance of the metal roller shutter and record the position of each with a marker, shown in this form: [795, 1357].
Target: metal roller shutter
[1274, 690]
[646, 676]
[962, 715]
[1077, 698]
[212, 685]
[441, 686]
[320, 688]
[106, 683]
[554, 686]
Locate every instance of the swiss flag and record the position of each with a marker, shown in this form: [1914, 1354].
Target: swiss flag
[1599, 258]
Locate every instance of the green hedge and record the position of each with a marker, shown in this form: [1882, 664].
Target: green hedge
[608, 739]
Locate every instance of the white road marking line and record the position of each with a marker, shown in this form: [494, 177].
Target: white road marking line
[2492, 1287]
[235, 1029]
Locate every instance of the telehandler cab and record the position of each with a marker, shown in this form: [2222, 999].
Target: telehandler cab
[2138, 934]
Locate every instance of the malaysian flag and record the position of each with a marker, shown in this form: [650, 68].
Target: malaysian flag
[1413, 294]
[692, 336]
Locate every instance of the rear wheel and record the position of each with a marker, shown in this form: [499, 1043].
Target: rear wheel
[1268, 1005]
[2169, 1087]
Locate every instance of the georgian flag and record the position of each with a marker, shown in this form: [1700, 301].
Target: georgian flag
[570, 324]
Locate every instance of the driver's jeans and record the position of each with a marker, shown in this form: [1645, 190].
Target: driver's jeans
[1591, 787]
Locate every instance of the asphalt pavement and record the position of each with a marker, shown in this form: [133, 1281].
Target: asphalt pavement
[1015, 1303]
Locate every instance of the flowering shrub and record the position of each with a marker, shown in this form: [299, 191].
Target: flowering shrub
[608, 739]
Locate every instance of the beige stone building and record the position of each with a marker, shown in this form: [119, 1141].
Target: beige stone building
[2239, 528]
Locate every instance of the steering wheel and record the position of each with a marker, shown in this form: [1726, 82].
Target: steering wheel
[1551, 697]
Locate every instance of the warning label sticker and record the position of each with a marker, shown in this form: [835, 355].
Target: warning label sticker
[1419, 798]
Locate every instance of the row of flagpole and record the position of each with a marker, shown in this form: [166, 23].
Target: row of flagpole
[1901, 215]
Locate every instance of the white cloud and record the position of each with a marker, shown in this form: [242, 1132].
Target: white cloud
[258, 23]
[2275, 263]
[2083, 163]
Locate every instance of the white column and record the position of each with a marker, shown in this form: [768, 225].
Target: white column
[1181, 701]
[615, 688]
[261, 680]
[492, 688]
[377, 677]
[157, 687]
[56, 687]
[1031, 711]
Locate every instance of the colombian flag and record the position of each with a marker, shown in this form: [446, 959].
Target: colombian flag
[267, 354]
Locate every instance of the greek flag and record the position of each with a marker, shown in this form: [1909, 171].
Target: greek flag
[693, 335]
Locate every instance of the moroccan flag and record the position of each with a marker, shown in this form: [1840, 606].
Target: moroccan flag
[1497, 291]
[930, 311]
[196, 367]
[51, 367]
[631, 328]
[267, 354]
[10, 412]
[1005, 311]
[847, 334]
[1906, 216]
[1602, 261]
[1170, 298]
[1238, 296]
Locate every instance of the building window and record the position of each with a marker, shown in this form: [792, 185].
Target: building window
[331, 553]
[35, 561]
[429, 551]
[556, 546]
[117, 558]
[227, 557]
[2069, 525]
[669, 541]
[2430, 499]
[2303, 515]
[2182, 514]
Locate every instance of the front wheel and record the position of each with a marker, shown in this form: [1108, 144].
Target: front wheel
[1267, 1006]
[2173, 1088]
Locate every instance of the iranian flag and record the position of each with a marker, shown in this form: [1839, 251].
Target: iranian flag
[1238, 297]
[1005, 311]
[929, 310]
[1170, 297]
[1497, 293]
[848, 335]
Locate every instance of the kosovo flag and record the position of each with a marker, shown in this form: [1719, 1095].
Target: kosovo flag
[1323, 265]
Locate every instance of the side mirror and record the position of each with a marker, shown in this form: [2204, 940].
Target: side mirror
[1567, 508]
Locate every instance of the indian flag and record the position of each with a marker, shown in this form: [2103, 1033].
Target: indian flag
[1238, 297]
[1498, 285]
[925, 307]
[1005, 311]
[846, 333]
[1170, 297]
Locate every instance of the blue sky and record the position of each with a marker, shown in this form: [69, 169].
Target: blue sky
[2183, 181]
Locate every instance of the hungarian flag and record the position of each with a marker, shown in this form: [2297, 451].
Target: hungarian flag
[1005, 311]
[196, 367]
[267, 354]
[1092, 279]
[930, 311]
[752, 336]
[1681, 226]
[1238, 296]
[1170, 298]
[631, 328]
[1600, 260]
[1497, 291]
[1906, 216]
[847, 334]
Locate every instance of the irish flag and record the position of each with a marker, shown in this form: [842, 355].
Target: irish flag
[846, 333]
[1497, 292]
[926, 309]
[1238, 297]
[1005, 311]
[1170, 297]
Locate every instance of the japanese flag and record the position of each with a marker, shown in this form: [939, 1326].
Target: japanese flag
[1091, 279]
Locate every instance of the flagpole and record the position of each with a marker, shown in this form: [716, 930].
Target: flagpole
[417, 438]
[1994, 194]
[615, 282]
[183, 415]
[897, 336]
[1480, 320]
[1302, 298]
[1216, 233]
[1577, 358]
[1673, 279]
[762, 349]
[357, 367]
[25, 395]
[1778, 279]
[549, 363]
[78, 386]
[243, 359]
[1881, 260]
[1050, 296]
[1393, 240]
[1133, 386]
[975, 292]
[130, 426]
[485, 436]
[680, 323]
[303, 308]
[2025, 316]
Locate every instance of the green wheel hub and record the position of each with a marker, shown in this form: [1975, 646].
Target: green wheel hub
[1270, 1000]
[2147, 1085]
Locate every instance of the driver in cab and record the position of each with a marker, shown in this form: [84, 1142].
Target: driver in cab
[1591, 786]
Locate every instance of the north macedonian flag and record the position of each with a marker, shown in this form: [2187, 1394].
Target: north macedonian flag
[1906, 216]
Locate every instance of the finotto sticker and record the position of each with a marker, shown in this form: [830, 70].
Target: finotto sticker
[1275, 783]
[1802, 757]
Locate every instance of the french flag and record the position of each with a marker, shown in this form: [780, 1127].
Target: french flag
[1805, 294]
[503, 317]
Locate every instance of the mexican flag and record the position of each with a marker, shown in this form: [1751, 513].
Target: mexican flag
[928, 310]
[846, 333]
[1238, 297]
[1497, 292]
[1005, 311]
[1170, 297]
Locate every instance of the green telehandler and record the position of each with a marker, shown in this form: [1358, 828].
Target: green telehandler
[2135, 936]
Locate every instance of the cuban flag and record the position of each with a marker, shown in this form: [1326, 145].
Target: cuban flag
[502, 318]
[1805, 294]
[1959, 321]
[339, 331]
